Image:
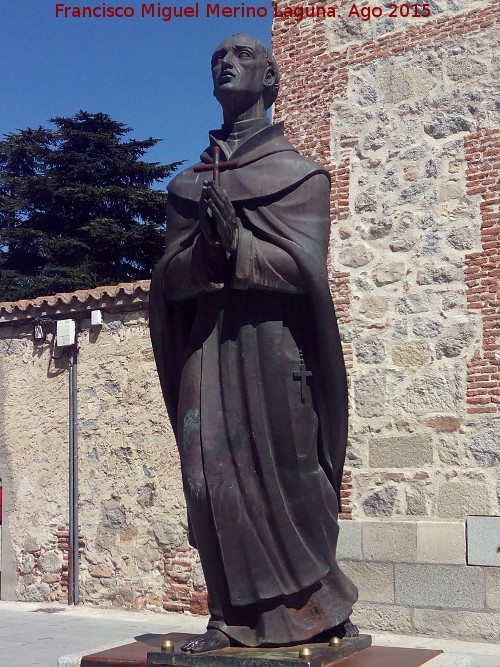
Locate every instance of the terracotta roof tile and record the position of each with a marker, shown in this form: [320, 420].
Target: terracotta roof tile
[81, 295]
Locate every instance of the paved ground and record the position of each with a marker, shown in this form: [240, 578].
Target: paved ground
[36, 635]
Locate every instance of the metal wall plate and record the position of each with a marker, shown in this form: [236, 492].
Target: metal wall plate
[483, 540]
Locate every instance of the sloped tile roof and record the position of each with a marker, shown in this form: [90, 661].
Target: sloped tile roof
[81, 296]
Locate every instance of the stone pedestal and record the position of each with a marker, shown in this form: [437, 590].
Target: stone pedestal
[136, 655]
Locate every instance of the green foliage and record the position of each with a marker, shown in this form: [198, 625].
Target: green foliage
[76, 207]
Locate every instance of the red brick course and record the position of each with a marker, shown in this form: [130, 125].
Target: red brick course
[182, 594]
[310, 81]
[60, 590]
[482, 152]
[425, 32]
[345, 496]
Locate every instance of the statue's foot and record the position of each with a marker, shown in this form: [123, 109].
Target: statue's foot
[346, 629]
[211, 640]
[351, 630]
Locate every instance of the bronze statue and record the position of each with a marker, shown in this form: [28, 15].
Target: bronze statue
[251, 366]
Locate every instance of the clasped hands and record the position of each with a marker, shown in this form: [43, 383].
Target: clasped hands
[218, 220]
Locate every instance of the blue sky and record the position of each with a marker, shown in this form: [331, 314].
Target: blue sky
[150, 74]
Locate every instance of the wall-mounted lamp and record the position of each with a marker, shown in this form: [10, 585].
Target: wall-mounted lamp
[42, 326]
[38, 333]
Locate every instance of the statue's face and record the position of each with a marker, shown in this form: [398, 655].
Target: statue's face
[239, 66]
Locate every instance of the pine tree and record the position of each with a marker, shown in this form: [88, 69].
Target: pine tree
[76, 207]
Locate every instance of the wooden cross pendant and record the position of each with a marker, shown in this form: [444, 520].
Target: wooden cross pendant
[216, 166]
[302, 374]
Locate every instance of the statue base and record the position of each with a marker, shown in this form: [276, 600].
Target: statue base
[311, 655]
[140, 652]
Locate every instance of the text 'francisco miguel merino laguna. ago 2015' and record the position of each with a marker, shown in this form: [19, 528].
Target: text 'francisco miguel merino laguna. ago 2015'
[240, 10]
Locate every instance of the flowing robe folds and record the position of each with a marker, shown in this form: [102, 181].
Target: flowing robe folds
[261, 450]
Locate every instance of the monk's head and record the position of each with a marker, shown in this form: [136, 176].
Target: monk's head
[243, 72]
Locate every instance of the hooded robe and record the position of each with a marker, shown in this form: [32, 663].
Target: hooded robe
[261, 443]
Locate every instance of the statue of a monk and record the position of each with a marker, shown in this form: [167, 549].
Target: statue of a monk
[249, 357]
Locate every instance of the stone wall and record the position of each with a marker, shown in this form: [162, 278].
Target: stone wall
[131, 510]
[404, 113]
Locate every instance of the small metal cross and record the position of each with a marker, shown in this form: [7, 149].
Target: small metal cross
[216, 166]
[302, 374]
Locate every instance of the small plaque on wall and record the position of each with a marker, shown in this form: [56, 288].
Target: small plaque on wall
[483, 540]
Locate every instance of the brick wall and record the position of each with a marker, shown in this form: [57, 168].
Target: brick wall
[185, 590]
[482, 152]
